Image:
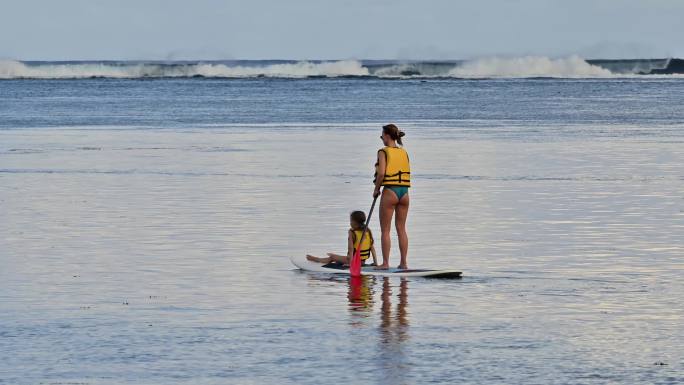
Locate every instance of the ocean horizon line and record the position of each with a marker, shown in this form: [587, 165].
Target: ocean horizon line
[318, 60]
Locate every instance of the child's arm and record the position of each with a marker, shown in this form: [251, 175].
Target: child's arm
[350, 245]
[375, 258]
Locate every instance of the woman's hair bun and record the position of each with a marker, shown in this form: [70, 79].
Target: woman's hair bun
[394, 132]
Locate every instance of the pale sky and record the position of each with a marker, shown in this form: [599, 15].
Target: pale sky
[343, 29]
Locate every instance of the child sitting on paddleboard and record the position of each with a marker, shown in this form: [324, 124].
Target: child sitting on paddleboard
[357, 220]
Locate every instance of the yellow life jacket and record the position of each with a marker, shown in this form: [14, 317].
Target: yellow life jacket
[398, 169]
[367, 243]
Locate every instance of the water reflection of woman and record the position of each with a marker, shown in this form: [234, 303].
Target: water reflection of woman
[394, 327]
[360, 295]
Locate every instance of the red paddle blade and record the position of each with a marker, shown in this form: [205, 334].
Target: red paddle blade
[355, 264]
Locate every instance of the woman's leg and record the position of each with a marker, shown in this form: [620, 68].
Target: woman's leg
[402, 209]
[388, 200]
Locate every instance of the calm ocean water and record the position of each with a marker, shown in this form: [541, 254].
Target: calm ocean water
[147, 227]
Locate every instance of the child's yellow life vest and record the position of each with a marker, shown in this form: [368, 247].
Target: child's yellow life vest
[367, 243]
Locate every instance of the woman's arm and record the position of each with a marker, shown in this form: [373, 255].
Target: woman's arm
[382, 166]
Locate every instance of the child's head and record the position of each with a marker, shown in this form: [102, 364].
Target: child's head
[357, 219]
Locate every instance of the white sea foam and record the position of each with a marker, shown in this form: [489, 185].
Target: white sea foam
[529, 66]
[10, 69]
[494, 67]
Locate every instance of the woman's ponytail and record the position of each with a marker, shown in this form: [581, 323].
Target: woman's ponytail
[394, 132]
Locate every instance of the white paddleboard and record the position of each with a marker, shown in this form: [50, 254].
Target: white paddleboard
[306, 265]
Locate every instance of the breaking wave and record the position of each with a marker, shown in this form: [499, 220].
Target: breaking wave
[495, 67]
[16, 69]
[530, 66]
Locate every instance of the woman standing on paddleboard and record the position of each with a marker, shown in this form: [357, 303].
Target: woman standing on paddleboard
[393, 173]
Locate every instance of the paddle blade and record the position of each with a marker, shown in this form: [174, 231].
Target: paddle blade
[355, 264]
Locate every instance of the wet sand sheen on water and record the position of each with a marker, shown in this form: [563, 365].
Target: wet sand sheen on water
[179, 270]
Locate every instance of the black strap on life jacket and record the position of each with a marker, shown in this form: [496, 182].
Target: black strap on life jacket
[397, 177]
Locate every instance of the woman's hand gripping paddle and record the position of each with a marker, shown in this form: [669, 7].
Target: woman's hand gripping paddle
[355, 263]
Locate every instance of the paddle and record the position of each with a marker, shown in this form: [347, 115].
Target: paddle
[355, 263]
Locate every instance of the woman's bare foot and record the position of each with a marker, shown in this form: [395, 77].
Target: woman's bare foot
[384, 266]
[402, 267]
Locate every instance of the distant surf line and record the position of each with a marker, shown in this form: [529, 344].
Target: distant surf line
[573, 67]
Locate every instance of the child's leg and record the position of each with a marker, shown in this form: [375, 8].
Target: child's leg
[319, 260]
[343, 259]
